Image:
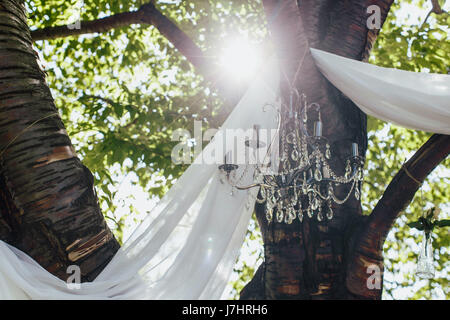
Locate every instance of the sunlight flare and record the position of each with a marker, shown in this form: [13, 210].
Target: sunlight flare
[239, 60]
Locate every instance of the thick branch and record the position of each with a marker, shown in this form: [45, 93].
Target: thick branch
[435, 9]
[99, 26]
[399, 193]
[179, 39]
[147, 14]
[404, 185]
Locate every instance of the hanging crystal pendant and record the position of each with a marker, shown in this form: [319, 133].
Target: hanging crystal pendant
[315, 203]
[348, 170]
[330, 212]
[320, 215]
[357, 192]
[304, 185]
[294, 155]
[269, 214]
[262, 193]
[327, 152]
[280, 213]
[300, 216]
[425, 267]
[318, 175]
[309, 212]
[289, 215]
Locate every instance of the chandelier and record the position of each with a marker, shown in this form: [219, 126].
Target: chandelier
[305, 184]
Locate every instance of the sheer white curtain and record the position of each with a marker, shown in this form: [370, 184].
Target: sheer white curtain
[187, 246]
[413, 100]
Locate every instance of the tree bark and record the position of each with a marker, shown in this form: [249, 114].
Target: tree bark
[48, 205]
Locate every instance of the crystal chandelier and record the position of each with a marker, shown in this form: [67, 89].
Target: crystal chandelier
[305, 183]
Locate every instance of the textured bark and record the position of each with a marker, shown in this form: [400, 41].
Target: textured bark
[48, 205]
[397, 196]
[309, 260]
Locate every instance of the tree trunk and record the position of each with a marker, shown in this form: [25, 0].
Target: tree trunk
[310, 260]
[48, 205]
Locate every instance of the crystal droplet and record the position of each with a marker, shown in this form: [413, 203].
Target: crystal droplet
[357, 194]
[263, 192]
[361, 174]
[330, 213]
[309, 212]
[280, 215]
[269, 214]
[304, 187]
[292, 214]
[294, 155]
[268, 204]
[300, 216]
[348, 170]
[330, 189]
[320, 216]
[288, 217]
[328, 152]
[318, 175]
[315, 204]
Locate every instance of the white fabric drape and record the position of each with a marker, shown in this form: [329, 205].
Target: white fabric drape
[188, 245]
[413, 100]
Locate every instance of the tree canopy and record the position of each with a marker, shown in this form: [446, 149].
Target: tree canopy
[122, 93]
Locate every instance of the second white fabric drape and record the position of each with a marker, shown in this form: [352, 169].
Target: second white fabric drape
[413, 100]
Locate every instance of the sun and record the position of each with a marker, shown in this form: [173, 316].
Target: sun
[239, 60]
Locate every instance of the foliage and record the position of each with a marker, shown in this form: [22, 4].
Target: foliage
[123, 93]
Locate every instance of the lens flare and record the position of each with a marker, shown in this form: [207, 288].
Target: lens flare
[239, 60]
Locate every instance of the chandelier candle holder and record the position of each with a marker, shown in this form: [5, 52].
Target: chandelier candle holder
[305, 184]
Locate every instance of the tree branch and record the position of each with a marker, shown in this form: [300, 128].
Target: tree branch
[149, 14]
[146, 14]
[179, 39]
[99, 25]
[406, 182]
[436, 8]
[368, 244]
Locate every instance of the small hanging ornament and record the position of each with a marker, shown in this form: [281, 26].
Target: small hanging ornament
[425, 267]
[426, 223]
